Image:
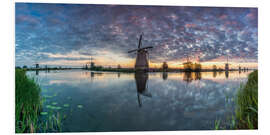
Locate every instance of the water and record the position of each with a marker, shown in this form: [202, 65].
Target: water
[106, 101]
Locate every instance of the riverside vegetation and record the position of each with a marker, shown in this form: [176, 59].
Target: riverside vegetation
[28, 108]
[246, 113]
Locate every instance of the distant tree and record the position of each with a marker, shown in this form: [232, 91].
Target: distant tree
[119, 66]
[188, 66]
[165, 66]
[214, 67]
[197, 67]
[24, 66]
[18, 67]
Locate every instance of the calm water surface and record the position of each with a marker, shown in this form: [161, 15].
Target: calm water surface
[106, 101]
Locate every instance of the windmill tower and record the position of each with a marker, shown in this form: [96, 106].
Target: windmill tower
[227, 65]
[141, 63]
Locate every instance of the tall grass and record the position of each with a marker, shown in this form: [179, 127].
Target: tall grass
[246, 106]
[247, 103]
[28, 102]
[28, 105]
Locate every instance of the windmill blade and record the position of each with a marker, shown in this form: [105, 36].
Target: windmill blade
[148, 47]
[140, 42]
[133, 50]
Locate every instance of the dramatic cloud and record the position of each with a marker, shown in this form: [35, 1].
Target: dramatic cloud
[56, 33]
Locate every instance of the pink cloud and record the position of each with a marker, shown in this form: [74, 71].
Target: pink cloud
[190, 25]
[223, 17]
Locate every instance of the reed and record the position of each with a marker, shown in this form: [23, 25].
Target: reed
[28, 102]
[246, 113]
[28, 107]
[247, 103]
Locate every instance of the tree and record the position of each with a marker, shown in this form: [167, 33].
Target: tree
[214, 67]
[165, 66]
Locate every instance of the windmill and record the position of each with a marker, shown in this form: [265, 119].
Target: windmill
[227, 64]
[36, 65]
[142, 56]
[90, 63]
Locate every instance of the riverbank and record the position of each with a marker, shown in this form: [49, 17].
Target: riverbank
[132, 70]
[28, 102]
[28, 106]
[247, 103]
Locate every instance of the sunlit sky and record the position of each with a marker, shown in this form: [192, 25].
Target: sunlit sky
[68, 34]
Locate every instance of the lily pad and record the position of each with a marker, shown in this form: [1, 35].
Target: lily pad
[47, 96]
[48, 106]
[80, 106]
[58, 108]
[52, 107]
[54, 103]
[68, 97]
[44, 113]
[66, 105]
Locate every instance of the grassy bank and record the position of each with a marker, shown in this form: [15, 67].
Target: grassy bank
[247, 103]
[246, 112]
[28, 102]
[28, 107]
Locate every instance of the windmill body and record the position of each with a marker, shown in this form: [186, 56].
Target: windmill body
[142, 60]
[141, 63]
[227, 65]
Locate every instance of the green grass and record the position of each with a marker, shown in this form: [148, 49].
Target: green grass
[247, 103]
[246, 113]
[28, 102]
[28, 106]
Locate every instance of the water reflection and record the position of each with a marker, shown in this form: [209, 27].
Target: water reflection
[165, 75]
[214, 74]
[190, 76]
[126, 104]
[141, 84]
[227, 74]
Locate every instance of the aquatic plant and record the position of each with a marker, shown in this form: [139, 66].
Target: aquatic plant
[28, 102]
[246, 113]
[28, 107]
[66, 105]
[80, 106]
[247, 103]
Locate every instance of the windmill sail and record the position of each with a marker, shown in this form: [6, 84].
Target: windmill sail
[142, 56]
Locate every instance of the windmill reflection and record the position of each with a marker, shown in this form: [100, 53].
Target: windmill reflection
[141, 84]
[227, 74]
[190, 76]
[37, 72]
[164, 75]
[214, 74]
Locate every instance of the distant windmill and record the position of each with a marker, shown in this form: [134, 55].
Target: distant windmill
[142, 56]
[90, 63]
[36, 65]
[227, 64]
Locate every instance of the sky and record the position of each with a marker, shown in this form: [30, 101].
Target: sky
[68, 34]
